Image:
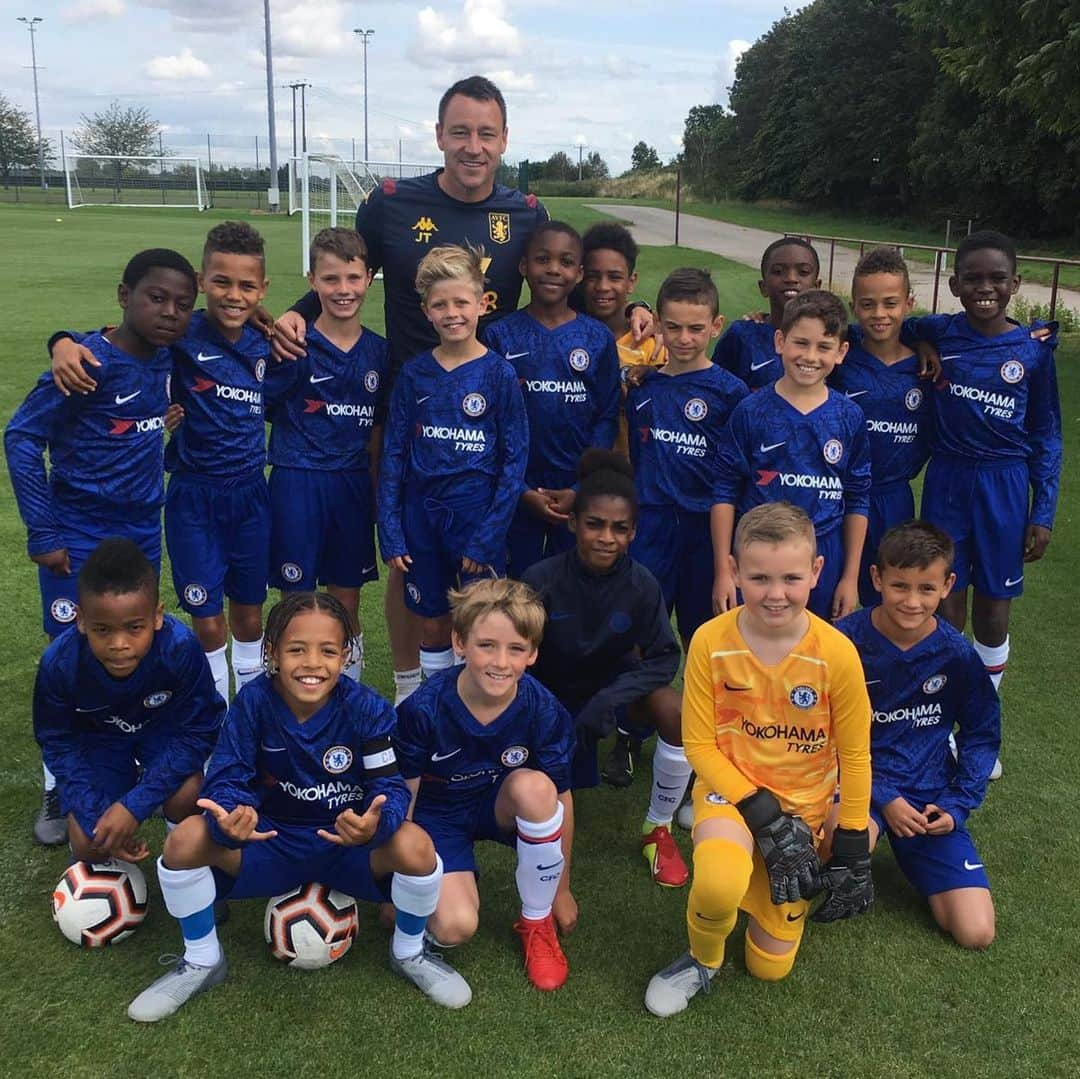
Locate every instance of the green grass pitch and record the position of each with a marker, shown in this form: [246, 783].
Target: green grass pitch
[884, 995]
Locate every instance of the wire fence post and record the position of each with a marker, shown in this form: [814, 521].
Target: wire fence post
[678, 203]
[209, 172]
[258, 190]
[1054, 291]
[937, 281]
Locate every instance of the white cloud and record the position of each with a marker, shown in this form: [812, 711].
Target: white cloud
[313, 28]
[185, 66]
[509, 81]
[725, 74]
[93, 9]
[479, 31]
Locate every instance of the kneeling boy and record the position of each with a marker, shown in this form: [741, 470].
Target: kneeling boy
[773, 703]
[125, 709]
[925, 677]
[486, 750]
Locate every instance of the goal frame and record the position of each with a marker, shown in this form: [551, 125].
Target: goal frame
[70, 170]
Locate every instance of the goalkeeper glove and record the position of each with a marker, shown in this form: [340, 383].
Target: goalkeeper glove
[847, 880]
[786, 845]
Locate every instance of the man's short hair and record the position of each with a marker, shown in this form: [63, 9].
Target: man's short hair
[154, 258]
[914, 545]
[820, 304]
[774, 522]
[690, 285]
[234, 238]
[790, 241]
[450, 262]
[347, 244]
[611, 236]
[516, 600]
[882, 260]
[479, 89]
[985, 240]
[117, 567]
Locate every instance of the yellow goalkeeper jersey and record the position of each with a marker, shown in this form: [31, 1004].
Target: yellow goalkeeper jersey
[792, 728]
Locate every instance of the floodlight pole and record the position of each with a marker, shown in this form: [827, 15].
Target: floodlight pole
[364, 35]
[31, 25]
[273, 194]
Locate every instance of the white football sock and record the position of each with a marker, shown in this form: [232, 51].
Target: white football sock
[406, 683]
[189, 897]
[50, 779]
[247, 661]
[433, 660]
[994, 658]
[414, 899]
[540, 864]
[355, 667]
[219, 670]
[670, 775]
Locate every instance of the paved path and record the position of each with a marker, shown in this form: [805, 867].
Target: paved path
[656, 227]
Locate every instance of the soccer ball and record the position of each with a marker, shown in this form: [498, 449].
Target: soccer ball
[311, 926]
[99, 903]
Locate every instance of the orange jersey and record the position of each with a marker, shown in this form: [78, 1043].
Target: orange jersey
[790, 728]
[631, 355]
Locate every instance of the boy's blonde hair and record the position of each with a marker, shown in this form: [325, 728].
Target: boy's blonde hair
[512, 598]
[450, 262]
[775, 522]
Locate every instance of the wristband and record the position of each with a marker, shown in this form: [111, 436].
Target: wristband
[850, 844]
[759, 809]
[637, 303]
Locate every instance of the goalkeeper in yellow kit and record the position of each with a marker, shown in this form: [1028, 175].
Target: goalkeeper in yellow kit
[774, 708]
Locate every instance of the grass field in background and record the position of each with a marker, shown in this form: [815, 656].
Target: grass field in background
[884, 995]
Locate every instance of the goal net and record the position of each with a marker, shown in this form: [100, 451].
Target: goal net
[326, 190]
[103, 180]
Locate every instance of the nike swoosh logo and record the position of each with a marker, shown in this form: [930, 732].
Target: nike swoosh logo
[873, 681]
[795, 917]
[638, 407]
[445, 756]
[972, 865]
[368, 569]
[735, 689]
[271, 749]
[956, 357]
[322, 378]
[421, 400]
[516, 355]
[764, 363]
[123, 400]
[762, 448]
[1009, 584]
[856, 393]
[99, 708]
[663, 788]
[205, 359]
[552, 866]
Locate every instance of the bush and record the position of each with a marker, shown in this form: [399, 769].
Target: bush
[1026, 312]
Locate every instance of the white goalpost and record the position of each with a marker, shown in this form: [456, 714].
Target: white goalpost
[322, 187]
[114, 180]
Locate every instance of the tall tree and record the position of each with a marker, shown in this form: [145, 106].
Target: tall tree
[122, 133]
[594, 167]
[707, 158]
[18, 140]
[643, 157]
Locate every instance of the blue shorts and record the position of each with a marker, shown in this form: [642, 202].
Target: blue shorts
[114, 764]
[455, 826]
[889, 506]
[218, 537]
[937, 863]
[831, 548]
[436, 535]
[984, 507]
[322, 529]
[60, 594]
[676, 547]
[530, 540]
[297, 856]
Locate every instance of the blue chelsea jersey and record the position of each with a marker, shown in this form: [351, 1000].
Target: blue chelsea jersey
[918, 696]
[897, 406]
[457, 758]
[569, 378]
[105, 448]
[819, 461]
[327, 403]
[748, 351]
[305, 773]
[674, 424]
[220, 385]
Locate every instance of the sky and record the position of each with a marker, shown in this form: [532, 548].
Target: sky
[600, 74]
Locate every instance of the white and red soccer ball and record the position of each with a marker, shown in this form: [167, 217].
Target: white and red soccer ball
[311, 926]
[99, 903]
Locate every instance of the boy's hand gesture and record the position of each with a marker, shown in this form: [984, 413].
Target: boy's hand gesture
[239, 825]
[55, 562]
[724, 594]
[400, 562]
[642, 324]
[537, 503]
[115, 830]
[288, 337]
[903, 818]
[786, 845]
[938, 822]
[352, 829]
[174, 416]
[67, 367]
[845, 598]
[1036, 540]
[929, 360]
